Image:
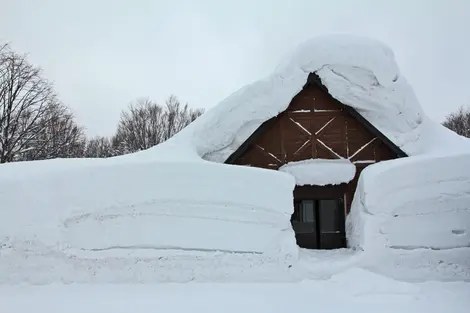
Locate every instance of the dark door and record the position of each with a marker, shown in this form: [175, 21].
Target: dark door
[304, 223]
[331, 224]
[319, 224]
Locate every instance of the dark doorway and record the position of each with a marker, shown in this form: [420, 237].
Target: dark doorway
[319, 223]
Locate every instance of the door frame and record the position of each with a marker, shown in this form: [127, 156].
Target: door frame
[328, 192]
[311, 192]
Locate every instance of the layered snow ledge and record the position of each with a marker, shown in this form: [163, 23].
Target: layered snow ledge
[412, 203]
[320, 171]
[175, 206]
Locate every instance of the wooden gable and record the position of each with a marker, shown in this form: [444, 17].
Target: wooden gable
[315, 125]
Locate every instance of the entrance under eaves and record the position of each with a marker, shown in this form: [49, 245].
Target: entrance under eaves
[319, 217]
[315, 125]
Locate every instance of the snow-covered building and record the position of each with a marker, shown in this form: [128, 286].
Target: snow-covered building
[333, 107]
[331, 150]
[325, 145]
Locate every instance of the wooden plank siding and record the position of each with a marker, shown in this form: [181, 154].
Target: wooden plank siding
[315, 125]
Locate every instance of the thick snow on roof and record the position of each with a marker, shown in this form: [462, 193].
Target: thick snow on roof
[359, 72]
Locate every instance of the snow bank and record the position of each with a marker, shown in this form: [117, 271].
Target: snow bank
[320, 171]
[179, 206]
[411, 203]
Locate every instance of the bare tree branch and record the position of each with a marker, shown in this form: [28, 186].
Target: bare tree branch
[459, 122]
[99, 147]
[146, 124]
[33, 124]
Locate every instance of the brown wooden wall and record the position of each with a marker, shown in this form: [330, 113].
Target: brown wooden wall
[316, 126]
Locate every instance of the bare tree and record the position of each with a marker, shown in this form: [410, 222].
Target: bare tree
[33, 124]
[99, 147]
[60, 137]
[459, 122]
[140, 127]
[178, 117]
[147, 124]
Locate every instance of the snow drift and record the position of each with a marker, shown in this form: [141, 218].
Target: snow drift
[153, 207]
[412, 203]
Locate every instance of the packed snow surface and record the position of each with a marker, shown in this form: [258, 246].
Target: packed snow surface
[320, 172]
[352, 291]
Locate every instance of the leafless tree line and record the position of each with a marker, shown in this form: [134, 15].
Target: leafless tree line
[459, 121]
[146, 124]
[143, 125]
[35, 125]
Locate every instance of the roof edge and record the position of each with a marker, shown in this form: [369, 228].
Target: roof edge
[313, 78]
[246, 144]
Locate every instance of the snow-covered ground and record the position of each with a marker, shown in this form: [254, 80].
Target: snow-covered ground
[352, 291]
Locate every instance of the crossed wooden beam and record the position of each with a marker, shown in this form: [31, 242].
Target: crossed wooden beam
[314, 139]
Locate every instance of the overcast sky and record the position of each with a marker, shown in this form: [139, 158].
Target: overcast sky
[103, 54]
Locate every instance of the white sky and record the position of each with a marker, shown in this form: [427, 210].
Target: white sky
[103, 54]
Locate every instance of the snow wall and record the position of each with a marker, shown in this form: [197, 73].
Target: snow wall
[151, 206]
[412, 203]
